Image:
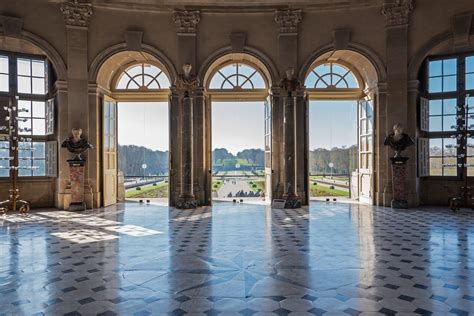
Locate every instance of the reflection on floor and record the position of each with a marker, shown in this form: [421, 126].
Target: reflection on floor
[337, 259]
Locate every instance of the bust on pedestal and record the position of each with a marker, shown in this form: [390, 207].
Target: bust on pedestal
[76, 144]
[398, 141]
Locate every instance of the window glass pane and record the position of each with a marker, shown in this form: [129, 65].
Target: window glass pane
[436, 166]
[449, 83]
[38, 86]
[24, 126]
[4, 83]
[39, 168]
[450, 166]
[449, 106]
[39, 127]
[435, 124]
[435, 68]
[39, 109]
[24, 84]
[39, 150]
[435, 85]
[151, 70]
[23, 67]
[449, 67]
[470, 64]
[38, 68]
[449, 147]
[470, 81]
[4, 64]
[122, 83]
[470, 146]
[25, 168]
[24, 108]
[436, 107]
[449, 123]
[436, 147]
[4, 165]
[135, 70]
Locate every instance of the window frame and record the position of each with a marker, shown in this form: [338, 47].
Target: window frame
[13, 92]
[333, 93]
[460, 95]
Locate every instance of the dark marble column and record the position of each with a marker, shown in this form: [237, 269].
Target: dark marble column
[292, 200]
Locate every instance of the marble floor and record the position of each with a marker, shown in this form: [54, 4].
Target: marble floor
[331, 259]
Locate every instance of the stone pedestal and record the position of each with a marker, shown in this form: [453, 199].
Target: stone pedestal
[76, 178]
[399, 165]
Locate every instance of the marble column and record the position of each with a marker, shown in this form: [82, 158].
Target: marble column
[292, 200]
[186, 198]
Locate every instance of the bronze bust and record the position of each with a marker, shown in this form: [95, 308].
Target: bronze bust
[398, 140]
[76, 144]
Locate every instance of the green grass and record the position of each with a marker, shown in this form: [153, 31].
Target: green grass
[216, 185]
[319, 190]
[260, 184]
[346, 179]
[149, 191]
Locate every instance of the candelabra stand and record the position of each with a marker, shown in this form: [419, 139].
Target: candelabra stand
[11, 129]
[462, 135]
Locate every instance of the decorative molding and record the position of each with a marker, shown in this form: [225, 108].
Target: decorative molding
[134, 40]
[12, 26]
[341, 38]
[186, 21]
[237, 41]
[76, 13]
[288, 20]
[397, 12]
[461, 27]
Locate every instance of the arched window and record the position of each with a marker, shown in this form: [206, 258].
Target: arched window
[237, 76]
[331, 76]
[143, 77]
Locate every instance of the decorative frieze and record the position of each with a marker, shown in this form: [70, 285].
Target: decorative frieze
[76, 13]
[397, 12]
[186, 21]
[288, 20]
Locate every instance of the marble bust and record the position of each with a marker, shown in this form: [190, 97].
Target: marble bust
[76, 144]
[398, 140]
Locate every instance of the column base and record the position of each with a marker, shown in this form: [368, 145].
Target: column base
[77, 207]
[186, 203]
[292, 202]
[400, 204]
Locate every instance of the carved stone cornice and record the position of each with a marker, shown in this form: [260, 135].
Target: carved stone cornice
[76, 13]
[288, 20]
[397, 12]
[186, 21]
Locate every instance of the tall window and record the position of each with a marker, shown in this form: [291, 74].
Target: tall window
[24, 78]
[446, 108]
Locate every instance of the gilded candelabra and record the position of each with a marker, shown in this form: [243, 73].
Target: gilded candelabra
[10, 133]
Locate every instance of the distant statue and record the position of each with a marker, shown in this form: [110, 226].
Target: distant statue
[76, 144]
[398, 140]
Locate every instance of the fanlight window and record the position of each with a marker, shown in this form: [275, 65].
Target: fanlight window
[331, 76]
[237, 76]
[143, 77]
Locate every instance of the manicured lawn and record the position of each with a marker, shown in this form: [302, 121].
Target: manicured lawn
[319, 190]
[260, 184]
[149, 191]
[216, 185]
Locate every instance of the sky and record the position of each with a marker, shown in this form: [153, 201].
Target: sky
[143, 124]
[332, 124]
[237, 125]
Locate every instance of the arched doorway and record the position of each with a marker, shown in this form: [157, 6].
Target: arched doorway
[134, 97]
[239, 116]
[343, 86]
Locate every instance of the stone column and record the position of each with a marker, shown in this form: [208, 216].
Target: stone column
[186, 198]
[77, 17]
[397, 108]
[292, 200]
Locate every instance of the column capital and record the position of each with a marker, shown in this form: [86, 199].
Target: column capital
[397, 12]
[76, 13]
[186, 21]
[288, 20]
